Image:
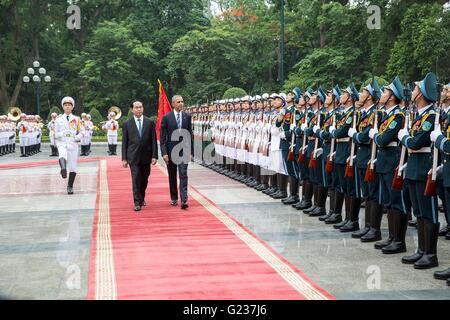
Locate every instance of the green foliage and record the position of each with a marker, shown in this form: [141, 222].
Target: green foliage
[54, 109]
[234, 93]
[96, 117]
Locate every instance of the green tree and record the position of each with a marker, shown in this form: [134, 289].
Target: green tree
[234, 93]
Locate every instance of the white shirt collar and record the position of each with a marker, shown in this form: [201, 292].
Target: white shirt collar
[136, 118]
[388, 111]
[421, 111]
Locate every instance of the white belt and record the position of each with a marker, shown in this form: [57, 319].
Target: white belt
[421, 150]
[392, 144]
[343, 140]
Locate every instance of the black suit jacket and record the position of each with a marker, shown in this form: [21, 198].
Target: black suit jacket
[137, 150]
[168, 126]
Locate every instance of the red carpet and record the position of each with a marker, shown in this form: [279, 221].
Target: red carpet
[167, 253]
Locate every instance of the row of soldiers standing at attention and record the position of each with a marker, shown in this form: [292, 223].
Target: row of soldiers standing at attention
[29, 128]
[387, 147]
[7, 136]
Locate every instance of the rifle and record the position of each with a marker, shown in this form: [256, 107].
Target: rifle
[302, 153]
[349, 169]
[431, 186]
[291, 149]
[329, 166]
[397, 182]
[370, 171]
[313, 160]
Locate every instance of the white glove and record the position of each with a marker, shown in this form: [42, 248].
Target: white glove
[373, 132]
[304, 126]
[402, 133]
[315, 128]
[293, 126]
[351, 132]
[319, 152]
[435, 134]
[282, 135]
[331, 129]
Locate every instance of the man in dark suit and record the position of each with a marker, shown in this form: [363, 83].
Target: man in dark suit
[177, 148]
[139, 149]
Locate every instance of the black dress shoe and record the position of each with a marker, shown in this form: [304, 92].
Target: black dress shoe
[325, 217]
[184, 206]
[174, 203]
[280, 195]
[137, 208]
[318, 212]
[443, 232]
[69, 190]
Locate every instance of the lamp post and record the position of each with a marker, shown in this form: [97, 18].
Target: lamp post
[282, 42]
[35, 73]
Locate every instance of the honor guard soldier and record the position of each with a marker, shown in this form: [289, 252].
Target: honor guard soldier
[315, 164]
[22, 127]
[343, 167]
[286, 121]
[85, 139]
[51, 126]
[68, 133]
[388, 159]
[4, 135]
[425, 204]
[112, 126]
[441, 139]
[89, 133]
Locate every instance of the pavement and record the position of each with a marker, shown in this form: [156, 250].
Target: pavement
[45, 237]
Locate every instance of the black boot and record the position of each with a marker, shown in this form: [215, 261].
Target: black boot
[398, 244]
[282, 186]
[109, 149]
[367, 213]
[22, 152]
[72, 176]
[62, 164]
[303, 184]
[320, 210]
[336, 217]
[376, 215]
[114, 150]
[353, 222]
[442, 275]
[82, 151]
[332, 199]
[348, 203]
[421, 244]
[307, 200]
[89, 149]
[293, 188]
[316, 199]
[391, 222]
[429, 258]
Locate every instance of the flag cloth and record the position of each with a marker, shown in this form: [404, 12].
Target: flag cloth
[163, 108]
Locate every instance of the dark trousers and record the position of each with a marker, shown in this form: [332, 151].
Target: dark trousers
[423, 206]
[390, 198]
[139, 178]
[182, 171]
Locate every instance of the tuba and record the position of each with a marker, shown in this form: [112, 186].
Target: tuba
[14, 113]
[117, 111]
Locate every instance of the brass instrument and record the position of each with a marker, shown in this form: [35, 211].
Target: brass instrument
[14, 113]
[117, 111]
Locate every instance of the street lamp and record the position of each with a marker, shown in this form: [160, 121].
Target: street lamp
[35, 73]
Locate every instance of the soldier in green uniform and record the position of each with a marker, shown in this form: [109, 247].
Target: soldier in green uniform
[315, 165]
[308, 116]
[418, 142]
[340, 133]
[284, 121]
[441, 139]
[368, 101]
[388, 158]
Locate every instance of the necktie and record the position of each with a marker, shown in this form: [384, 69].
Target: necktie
[178, 120]
[139, 127]
[67, 118]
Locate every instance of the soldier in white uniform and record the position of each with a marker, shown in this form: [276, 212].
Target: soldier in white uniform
[85, 139]
[89, 132]
[68, 133]
[3, 135]
[22, 126]
[112, 126]
[51, 126]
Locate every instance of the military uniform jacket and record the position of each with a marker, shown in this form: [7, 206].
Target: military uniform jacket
[68, 131]
[285, 126]
[341, 134]
[388, 156]
[443, 144]
[362, 139]
[419, 145]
